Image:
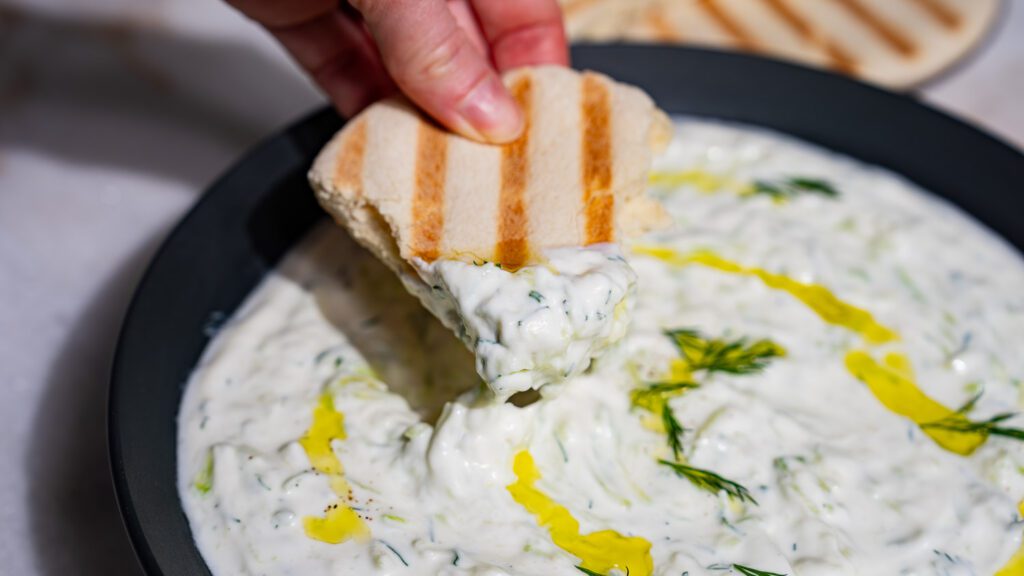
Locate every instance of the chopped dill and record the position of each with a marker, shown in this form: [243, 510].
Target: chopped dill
[673, 430]
[787, 188]
[747, 571]
[395, 552]
[561, 448]
[203, 481]
[537, 296]
[738, 356]
[949, 558]
[818, 185]
[707, 480]
[958, 422]
[588, 572]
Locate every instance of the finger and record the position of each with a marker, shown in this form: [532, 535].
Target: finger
[435, 63]
[340, 56]
[523, 32]
[464, 16]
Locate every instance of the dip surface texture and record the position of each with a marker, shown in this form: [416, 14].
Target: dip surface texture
[814, 350]
[540, 324]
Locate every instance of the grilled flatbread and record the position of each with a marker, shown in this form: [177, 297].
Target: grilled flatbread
[897, 43]
[407, 189]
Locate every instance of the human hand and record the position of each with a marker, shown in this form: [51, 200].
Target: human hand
[445, 55]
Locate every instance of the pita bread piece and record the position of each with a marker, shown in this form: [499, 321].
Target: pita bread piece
[408, 190]
[896, 43]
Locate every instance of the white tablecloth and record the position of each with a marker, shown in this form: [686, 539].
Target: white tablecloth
[114, 114]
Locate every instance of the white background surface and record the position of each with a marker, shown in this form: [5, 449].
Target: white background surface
[114, 114]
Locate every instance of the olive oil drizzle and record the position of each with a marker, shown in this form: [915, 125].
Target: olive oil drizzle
[340, 522]
[599, 552]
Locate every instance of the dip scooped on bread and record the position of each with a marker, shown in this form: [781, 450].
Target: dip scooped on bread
[512, 247]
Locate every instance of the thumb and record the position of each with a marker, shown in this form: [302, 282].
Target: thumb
[436, 64]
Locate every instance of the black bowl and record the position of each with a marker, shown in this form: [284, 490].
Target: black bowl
[249, 218]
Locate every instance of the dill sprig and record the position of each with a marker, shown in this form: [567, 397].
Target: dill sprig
[738, 356]
[673, 430]
[658, 390]
[708, 480]
[588, 572]
[748, 571]
[654, 398]
[959, 422]
[989, 427]
[787, 188]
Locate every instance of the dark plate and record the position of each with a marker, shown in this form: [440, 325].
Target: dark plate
[253, 214]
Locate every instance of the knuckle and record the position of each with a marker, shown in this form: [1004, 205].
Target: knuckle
[444, 57]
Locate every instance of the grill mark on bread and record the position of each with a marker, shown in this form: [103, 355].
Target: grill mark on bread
[889, 34]
[598, 200]
[739, 34]
[942, 13]
[839, 58]
[659, 25]
[348, 171]
[428, 195]
[512, 250]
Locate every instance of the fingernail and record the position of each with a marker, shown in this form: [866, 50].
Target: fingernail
[490, 112]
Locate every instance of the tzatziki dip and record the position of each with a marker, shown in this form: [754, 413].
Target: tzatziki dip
[537, 325]
[814, 371]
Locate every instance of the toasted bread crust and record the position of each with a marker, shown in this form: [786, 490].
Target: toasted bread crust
[512, 249]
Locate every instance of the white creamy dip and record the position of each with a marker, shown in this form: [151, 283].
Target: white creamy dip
[807, 355]
[540, 324]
